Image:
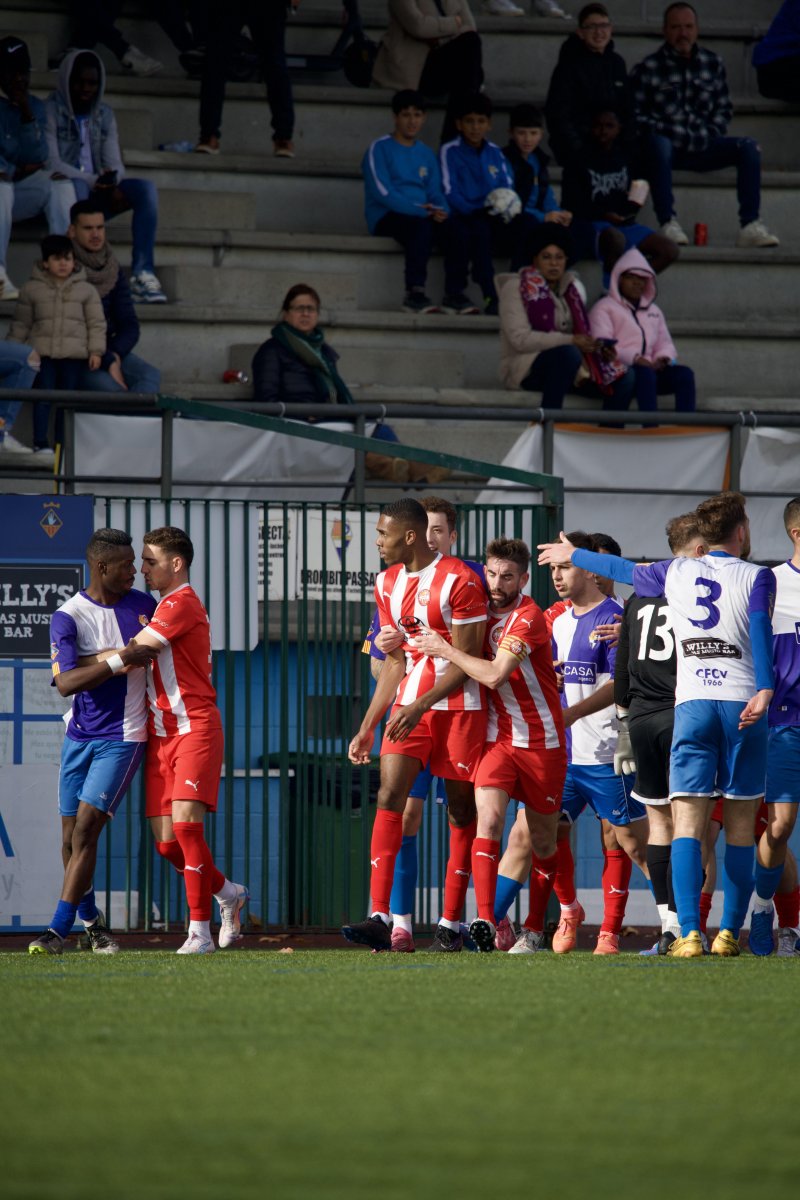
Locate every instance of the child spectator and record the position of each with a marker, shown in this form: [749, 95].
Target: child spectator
[531, 182]
[472, 167]
[596, 189]
[83, 145]
[629, 316]
[403, 194]
[61, 316]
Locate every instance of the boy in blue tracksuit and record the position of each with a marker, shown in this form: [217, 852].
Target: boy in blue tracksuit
[472, 167]
[403, 194]
[531, 183]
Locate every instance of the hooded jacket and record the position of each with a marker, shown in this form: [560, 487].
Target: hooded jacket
[64, 128]
[415, 27]
[638, 331]
[582, 84]
[61, 318]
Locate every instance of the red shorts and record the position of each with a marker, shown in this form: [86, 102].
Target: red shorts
[185, 766]
[762, 817]
[536, 777]
[450, 743]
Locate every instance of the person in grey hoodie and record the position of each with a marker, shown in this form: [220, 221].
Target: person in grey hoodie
[83, 144]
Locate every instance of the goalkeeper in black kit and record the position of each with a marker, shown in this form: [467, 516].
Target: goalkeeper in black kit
[644, 694]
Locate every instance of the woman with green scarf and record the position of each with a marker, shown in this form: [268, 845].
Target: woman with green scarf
[296, 365]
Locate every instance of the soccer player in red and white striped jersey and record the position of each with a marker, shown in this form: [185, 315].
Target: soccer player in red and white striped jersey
[438, 715]
[185, 742]
[525, 752]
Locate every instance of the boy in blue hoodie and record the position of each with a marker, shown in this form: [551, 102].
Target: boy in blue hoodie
[472, 167]
[403, 194]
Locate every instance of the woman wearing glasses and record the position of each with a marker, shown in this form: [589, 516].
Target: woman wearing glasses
[296, 365]
[589, 77]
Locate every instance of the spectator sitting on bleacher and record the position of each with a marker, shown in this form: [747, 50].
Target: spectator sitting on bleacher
[683, 107]
[531, 181]
[58, 313]
[403, 194]
[120, 370]
[776, 57]
[93, 21]
[433, 47]
[84, 145]
[545, 340]
[27, 185]
[19, 366]
[629, 316]
[588, 76]
[596, 188]
[472, 168]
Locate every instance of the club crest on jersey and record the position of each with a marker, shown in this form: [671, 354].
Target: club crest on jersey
[144, 619]
[496, 634]
[514, 646]
[580, 672]
[424, 596]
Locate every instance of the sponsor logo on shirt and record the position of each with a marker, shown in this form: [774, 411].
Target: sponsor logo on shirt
[580, 672]
[53, 651]
[709, 648]
[158, 621]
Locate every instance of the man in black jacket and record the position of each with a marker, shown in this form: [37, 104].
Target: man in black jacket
[589, 77]
[121, 370]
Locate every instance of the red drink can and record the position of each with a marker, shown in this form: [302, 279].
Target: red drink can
[231, 376]
[700, 234]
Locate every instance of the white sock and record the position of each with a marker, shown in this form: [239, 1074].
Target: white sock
[663, 912]
[402, 921]
[760, 905]
[570, 908]
[228, 891]
[201, 929]
[454, 925]
[387, 920]
[673, 925]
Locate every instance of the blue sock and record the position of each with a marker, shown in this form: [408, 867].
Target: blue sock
[506, 894]
[404, 888]
[87, 909]
[687, 881]
[767, 880]
[738, 886]
[64, 918]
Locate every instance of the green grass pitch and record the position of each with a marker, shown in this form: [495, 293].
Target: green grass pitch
[343, 1076]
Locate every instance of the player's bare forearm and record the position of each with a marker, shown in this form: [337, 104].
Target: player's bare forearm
[490, 673]
[755, 708]
[385, 691]
[590, 704]
[97, 670]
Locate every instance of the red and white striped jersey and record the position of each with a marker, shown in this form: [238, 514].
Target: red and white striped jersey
[526, 709]
[443, 595]
[179, 689]
[555, 610]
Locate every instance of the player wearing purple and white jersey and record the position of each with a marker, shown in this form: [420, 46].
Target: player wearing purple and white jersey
[106, 727]
[721, 608]
[783, 748]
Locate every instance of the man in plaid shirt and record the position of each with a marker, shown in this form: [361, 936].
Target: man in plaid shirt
[683, 109]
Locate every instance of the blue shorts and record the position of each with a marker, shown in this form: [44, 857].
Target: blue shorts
[711, 754]
[609, 795]
[420, 788]
[98, 772]
[783, 765]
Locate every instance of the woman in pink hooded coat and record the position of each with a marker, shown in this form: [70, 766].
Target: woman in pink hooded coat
[630, 316]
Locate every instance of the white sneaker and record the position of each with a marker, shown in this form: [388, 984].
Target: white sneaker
[788, 943]
[10, 445]
[230, 931]
[43, 457]
[8, 290]
[502, 8]
[756, 234]
[528, 942]
[673, 231]
[549, 8]
[140, 64]
[146, 289]
[195, 944]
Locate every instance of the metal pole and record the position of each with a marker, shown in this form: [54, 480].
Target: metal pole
[167, 417]
[736, 458]
[360, 469]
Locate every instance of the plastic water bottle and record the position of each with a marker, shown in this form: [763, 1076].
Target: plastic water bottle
[184, 147]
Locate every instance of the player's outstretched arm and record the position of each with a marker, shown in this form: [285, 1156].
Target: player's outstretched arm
[388, 682]
[490, 674]
[105, 664]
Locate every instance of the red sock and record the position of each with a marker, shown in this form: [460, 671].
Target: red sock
[485, 858]
[706, 900]
[616, 877]
[565, 873]
[459, 864]
[387, 838]
[787, 906]
[172, 852]
[198, 868]
[542, 880]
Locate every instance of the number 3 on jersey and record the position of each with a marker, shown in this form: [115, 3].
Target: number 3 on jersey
[662, 633]
[707, 602]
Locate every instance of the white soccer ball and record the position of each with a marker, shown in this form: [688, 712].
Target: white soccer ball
[505, 203]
